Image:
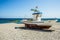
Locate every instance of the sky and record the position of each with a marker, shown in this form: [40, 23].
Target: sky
[22, 8]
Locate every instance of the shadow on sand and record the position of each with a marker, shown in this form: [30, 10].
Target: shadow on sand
[34, 29]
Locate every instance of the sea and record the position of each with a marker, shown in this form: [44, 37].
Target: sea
[19, 20]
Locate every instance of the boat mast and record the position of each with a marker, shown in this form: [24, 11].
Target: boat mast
[35, 10]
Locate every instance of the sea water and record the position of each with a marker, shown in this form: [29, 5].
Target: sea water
[10, 20]
[19, 20]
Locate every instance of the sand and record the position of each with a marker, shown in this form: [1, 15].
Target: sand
[8, 32]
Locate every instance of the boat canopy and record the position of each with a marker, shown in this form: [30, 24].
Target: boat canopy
[37, 13]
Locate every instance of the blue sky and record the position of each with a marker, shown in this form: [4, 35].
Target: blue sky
[21, 8]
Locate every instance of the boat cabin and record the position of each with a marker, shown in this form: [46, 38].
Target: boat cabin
[37, 16]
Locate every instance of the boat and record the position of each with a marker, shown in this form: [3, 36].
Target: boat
[37, 23]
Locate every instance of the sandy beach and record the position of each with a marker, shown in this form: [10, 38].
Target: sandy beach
[13, 31]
